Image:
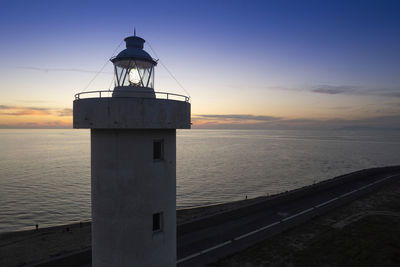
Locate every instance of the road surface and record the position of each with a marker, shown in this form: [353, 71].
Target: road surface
[204, 245]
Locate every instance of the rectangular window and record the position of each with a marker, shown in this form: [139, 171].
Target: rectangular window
[158, 149]
[157, 222]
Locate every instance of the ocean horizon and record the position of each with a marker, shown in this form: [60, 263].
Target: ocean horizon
[45, 173]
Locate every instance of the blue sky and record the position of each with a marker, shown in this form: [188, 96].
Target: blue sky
[304, 61]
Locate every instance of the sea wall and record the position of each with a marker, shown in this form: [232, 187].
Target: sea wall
[204, 222]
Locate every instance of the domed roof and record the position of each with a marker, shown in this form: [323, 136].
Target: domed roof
[134, 52]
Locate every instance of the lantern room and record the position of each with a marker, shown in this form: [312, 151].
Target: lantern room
[134, 70]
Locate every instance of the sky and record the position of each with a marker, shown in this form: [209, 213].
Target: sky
[245, 64]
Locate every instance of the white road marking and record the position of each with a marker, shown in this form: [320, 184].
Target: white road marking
[246, 235]
[269, 225]
[204, 251]
[326, 202]
[188, 257]
[349, 193]
[275, 223]
[256, 231]
[215, 247]
[297, 214]
[365, 186]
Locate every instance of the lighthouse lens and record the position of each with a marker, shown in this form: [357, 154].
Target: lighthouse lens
[134, 76]
[142, 77]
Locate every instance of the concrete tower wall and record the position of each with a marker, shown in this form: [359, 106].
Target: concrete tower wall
[133, 143]
[131, 113]
[129, 186]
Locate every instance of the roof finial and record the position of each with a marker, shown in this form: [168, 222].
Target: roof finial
[134, 31]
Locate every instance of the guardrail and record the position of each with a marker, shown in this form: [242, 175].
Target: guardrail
[108, 93]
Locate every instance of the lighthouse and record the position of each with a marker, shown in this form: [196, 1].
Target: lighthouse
[133, 162]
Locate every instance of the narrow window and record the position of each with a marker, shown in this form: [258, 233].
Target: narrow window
[157, 222]
[158, 149]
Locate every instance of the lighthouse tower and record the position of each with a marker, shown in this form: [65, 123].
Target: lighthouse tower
[133, 163]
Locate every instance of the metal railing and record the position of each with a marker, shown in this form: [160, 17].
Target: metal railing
[108, 93]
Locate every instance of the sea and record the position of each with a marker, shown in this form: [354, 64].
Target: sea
[45, 174]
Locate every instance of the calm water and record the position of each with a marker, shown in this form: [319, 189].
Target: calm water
[45, 174]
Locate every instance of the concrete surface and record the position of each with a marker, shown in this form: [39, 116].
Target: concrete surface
[128, 188]
[131, 113]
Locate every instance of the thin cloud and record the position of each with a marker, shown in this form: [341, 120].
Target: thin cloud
[333, 90]
[240, 121]
[392, 94]
[34, 117]
[343, 89]
[60, 69]
[394, 104]
[6, 107]
[282, 88]
[35, 125]
[358, 91]
[33, 111]
[64, 112]
[342, 108]
[240, 117]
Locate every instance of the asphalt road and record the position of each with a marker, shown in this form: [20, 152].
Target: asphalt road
[209, 239]
[216, 241]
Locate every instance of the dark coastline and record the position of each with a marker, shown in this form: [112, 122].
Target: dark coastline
[363, 232]
[72, 241]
